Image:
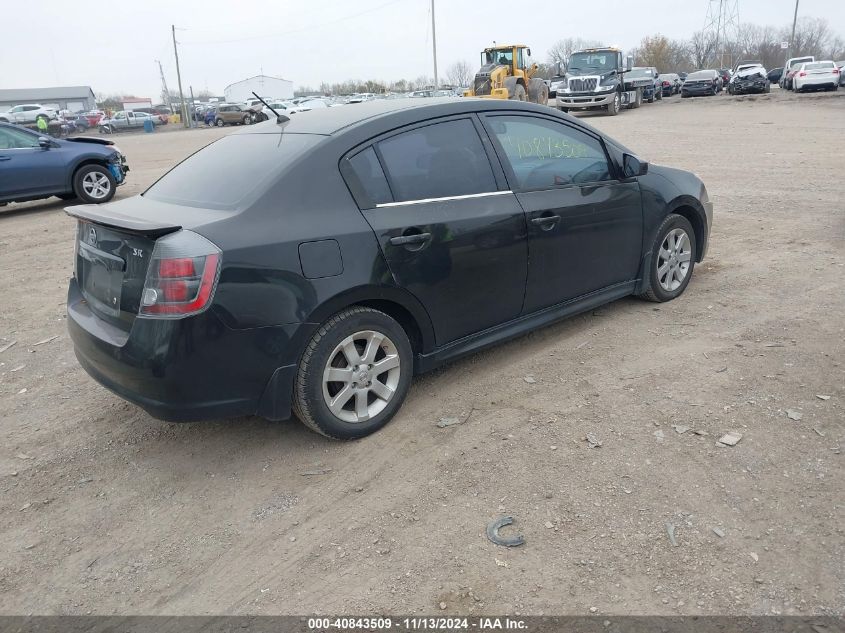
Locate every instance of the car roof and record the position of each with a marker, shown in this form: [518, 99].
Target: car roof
[329, 121]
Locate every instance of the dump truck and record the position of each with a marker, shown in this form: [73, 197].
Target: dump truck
[507, 73]
[594, 79]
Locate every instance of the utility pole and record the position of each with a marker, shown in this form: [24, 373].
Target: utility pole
[791, 42]
[434, 45]
[193, 108]
[184, 111]
[165, 91]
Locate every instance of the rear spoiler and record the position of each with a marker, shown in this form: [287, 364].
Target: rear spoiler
[116, 220]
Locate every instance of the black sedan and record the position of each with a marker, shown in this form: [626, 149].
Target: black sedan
[376, 242]
[701, 83]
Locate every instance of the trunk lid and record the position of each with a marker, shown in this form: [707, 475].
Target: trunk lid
[113, 248]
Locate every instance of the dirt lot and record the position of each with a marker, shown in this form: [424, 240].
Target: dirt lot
[106, 510]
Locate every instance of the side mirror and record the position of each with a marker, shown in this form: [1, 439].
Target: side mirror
[528, 51]
[629, 63]
[44, 142]
[633, 166]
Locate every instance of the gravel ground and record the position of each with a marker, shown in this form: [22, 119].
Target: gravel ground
[106, 510]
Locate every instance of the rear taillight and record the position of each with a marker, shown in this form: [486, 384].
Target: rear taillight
[665, 83]
[182, 276]
[802, 74]
[835, 71]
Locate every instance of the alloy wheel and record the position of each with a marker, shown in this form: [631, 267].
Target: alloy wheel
[96, 185]
[361, 376]
[673, 259]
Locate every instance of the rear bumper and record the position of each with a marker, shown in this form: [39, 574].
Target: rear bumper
[187, 369]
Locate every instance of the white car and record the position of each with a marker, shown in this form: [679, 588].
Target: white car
[306, 105]
[841, 67]
[816, 75]
[28, 113]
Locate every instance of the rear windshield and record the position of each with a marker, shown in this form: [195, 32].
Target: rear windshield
[640, 72]
[818, 65]
[702, 74]
[231, 172]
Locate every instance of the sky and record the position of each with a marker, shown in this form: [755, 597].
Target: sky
[113, 46]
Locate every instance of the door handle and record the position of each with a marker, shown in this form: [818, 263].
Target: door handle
[5, 158]
[546, 222]
[413, 238]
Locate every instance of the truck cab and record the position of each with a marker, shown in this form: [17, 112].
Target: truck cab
[595, 80]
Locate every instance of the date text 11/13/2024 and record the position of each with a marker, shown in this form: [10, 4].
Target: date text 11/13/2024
[316, 625]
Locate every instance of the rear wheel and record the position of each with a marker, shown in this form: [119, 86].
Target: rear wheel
[354, 374]
[518, 93]
[94, 184]
[219, 122]
[672, 259]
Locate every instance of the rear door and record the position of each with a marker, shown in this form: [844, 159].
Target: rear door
[451, 233]
[584, 223]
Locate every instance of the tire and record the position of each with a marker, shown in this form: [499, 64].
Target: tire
[94, 184]
[518, 93]
[312, 395]
[670, 287]
[651, 99]
[247, 120]
[615, 106]
[219, 122]
[659, 94]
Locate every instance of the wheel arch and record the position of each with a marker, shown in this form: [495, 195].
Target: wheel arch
[399, 304]
[690, 208]
[90, 160]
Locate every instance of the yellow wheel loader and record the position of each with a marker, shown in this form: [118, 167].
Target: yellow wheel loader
[507, 73]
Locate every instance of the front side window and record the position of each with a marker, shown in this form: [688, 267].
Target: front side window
[16, 139]
[437, 161]
[545, 154]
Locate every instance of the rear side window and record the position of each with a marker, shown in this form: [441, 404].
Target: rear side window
[437, 161]
[545, 154]
[231, 172]
[371, 176]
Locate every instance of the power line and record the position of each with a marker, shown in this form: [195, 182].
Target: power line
[299, 30]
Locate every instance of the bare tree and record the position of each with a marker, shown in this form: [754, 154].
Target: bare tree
[812, 36]
[702, 49]
[560, 52]
[459, 74]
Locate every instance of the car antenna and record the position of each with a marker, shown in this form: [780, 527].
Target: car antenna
[280, 118]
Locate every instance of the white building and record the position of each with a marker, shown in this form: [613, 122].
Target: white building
[266, 87]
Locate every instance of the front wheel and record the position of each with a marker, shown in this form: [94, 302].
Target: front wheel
[94, 184]
[219, 123]
[672, 259]
[354, 374]
[614, 106]
[518, 93]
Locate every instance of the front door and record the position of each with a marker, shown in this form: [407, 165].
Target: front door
[584, 224]
[26, 168]
[449, 233]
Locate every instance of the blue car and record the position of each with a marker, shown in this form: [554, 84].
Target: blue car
[34, 166]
